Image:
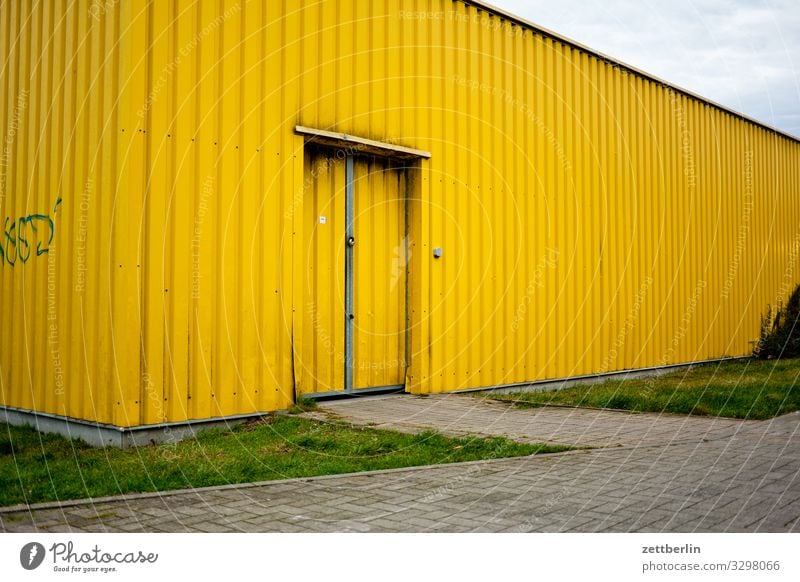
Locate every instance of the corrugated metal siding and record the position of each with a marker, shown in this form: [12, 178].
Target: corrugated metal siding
[591, 219]
[218, 183]
[162, 126]
[61, 304]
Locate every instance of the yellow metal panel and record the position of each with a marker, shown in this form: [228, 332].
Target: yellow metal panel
[180, 196]
[126, 317]
[379, 277]
[60, 275]
[204, 248]
[217, 335]
[322, 350]
[155, 116]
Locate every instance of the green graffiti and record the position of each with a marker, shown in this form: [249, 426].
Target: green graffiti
[21, 236]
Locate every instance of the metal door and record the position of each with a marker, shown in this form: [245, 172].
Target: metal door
[355, 257]
[378, 277]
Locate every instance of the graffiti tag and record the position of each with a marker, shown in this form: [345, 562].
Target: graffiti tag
[27, 236]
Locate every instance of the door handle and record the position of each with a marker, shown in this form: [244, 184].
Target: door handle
[351, 241]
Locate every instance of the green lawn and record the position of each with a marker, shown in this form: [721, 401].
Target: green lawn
[754, 389]
[37, 467]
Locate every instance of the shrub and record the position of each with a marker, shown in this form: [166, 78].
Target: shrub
[780, 334]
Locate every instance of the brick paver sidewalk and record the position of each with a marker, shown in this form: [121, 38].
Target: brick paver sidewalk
[460, 415]
[670, 474]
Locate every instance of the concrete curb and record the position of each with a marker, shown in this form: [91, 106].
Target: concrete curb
[22, 507]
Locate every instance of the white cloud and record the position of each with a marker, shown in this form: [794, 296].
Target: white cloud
[744, 54]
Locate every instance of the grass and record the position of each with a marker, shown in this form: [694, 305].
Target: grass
[749, 388]
[38, 467]
[303, 404]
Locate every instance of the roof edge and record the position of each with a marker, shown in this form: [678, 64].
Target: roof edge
[518, 20]
[358, 143]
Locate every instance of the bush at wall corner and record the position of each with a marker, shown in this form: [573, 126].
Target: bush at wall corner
[780, 334]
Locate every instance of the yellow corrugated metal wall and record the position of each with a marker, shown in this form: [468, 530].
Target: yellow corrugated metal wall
[218, 179]
[591, 219]
[68, 342]
[161, 127]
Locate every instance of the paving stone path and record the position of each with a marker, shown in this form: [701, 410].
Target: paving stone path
[656, 473]
[461, 415]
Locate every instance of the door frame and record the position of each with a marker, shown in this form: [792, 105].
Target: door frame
[348, 148]
[390, 166]
[349, 271]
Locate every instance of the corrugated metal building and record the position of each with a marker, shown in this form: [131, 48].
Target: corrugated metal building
[211, 208]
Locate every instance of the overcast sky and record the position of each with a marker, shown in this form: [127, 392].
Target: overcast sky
[744, 54]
